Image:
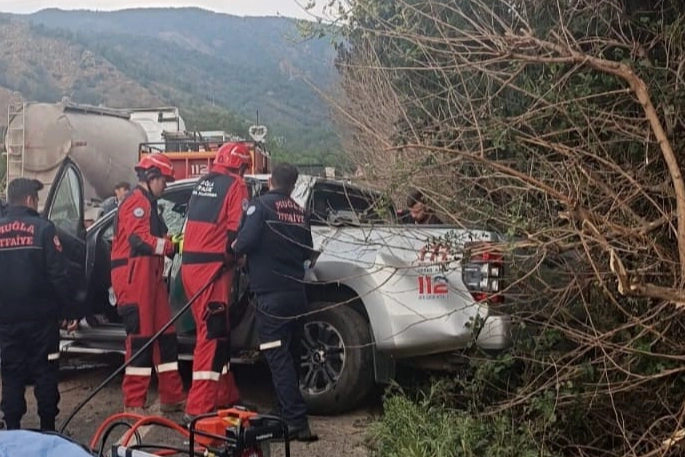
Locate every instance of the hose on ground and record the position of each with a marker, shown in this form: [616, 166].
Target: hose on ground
[149, 343]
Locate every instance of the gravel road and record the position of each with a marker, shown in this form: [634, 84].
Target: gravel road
[338, 436]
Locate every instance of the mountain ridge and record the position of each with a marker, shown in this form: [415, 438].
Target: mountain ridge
[176, 56]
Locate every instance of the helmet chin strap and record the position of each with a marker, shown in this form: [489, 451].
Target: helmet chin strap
[145, 178]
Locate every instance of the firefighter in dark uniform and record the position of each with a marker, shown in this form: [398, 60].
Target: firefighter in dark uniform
[139, 246]
[35, 294]
[214, 213]
[276, 238]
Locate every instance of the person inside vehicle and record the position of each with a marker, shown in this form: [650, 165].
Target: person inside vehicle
[276, 239]
[419, 211]
[214, 213]
[139, 246]
[90, 216]
[113, 202]
[35, 294]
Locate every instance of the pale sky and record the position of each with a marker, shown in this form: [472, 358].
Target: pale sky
[290, 8]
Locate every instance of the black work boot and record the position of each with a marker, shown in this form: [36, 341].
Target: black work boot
[301, 433]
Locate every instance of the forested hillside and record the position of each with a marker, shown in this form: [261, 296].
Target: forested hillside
[221, 70]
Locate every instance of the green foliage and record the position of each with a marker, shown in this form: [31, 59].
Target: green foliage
[527, 117]
[426, 427]
[200, 117]
[316, 151]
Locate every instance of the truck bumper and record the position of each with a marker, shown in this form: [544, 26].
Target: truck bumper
[496, 333]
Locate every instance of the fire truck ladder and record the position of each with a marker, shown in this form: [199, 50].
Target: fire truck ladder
[16, 141]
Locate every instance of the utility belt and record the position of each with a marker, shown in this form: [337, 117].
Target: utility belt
[118, 263]
[191, 258]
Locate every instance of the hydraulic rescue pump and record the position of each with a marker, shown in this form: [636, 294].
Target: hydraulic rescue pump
[237, 432]
[234, 432]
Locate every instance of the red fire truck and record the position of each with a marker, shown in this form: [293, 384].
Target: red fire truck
[192, 153]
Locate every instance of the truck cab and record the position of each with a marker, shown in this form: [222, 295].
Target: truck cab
[156, 121]
[192, 153]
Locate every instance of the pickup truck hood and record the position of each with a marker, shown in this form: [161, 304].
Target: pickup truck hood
[401, 243]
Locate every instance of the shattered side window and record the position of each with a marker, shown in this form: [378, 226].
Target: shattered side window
[173, 208]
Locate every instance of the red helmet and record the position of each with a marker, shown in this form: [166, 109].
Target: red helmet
[155, 166]
[233, 156]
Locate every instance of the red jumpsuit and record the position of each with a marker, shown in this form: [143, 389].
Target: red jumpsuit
[214, 214]
[138, 249]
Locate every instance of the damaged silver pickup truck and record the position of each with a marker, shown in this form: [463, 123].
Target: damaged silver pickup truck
[380, 292]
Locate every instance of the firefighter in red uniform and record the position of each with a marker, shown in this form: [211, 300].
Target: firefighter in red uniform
[138, 249]
[214, 214]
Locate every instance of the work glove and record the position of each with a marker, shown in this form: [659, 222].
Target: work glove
[177, 241]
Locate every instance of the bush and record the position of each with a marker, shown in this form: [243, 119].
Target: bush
[555, 123]
[427, 427]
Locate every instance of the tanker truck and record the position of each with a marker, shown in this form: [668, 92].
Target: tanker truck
[100, 144]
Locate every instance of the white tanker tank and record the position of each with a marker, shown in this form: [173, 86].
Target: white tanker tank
[102, 142]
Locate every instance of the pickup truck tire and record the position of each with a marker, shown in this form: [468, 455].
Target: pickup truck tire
[342, 336]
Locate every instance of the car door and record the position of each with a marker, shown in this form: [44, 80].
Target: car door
[64, 206]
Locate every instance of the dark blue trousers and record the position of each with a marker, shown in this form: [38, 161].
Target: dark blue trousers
[279, 337]
[29, 354]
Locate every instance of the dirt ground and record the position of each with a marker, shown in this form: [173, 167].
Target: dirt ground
[338, 436]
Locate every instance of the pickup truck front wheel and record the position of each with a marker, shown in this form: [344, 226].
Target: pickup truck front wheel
[336, 370]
